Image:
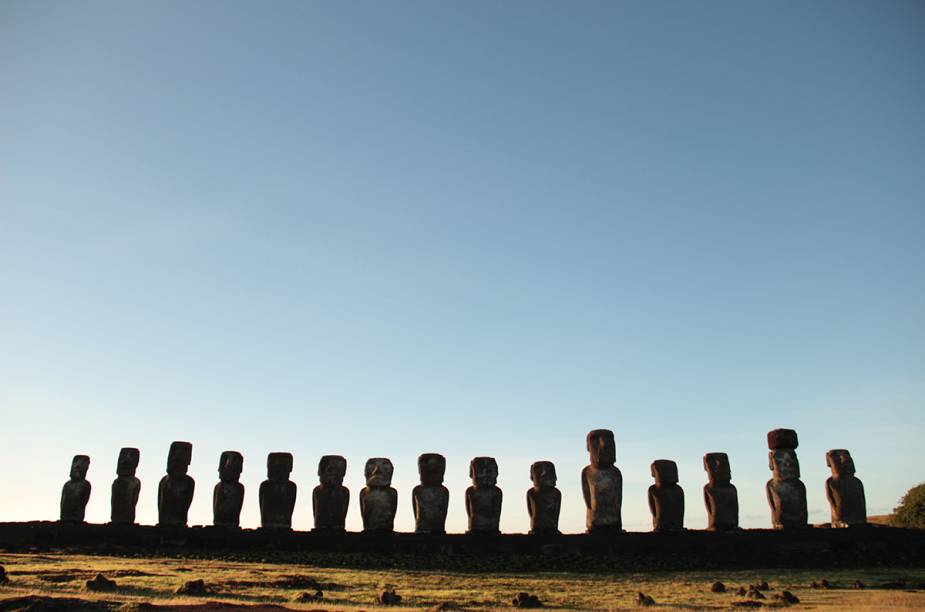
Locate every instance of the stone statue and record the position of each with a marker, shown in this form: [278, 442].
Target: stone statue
[430, 498]
[543, 500]
[666, 497]
[331, 498]
[786, 493]
[378, 500]
[844, 490]
[125, 488]
[719, 494]
[228, 495]
[175, 492]
[277, 493]
[76, 492]
[602, 484]
[483, 498]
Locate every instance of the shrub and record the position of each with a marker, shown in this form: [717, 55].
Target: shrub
[911, 509]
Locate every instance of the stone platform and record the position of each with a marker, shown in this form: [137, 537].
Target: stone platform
[631, 551]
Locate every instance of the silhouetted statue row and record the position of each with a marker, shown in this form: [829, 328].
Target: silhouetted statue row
[601, 481]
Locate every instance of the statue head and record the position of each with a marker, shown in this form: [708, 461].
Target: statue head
[665, 472]
[543, 474]
[782, 438]
[332, 469]
[432, 468]
[483, 471]
[179, 457]
[379, 472]
[841, 462]
[279, 466]
[602, 447]
[128, 461]
[784, 464]
[230, 465]
[717, 467]
[79, 466]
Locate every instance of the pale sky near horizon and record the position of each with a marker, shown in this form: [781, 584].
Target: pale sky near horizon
[382, 229]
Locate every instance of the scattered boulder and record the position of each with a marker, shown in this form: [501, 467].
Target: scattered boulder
[857, 584]
[741, 591]
[763, 586]
[822, 584]
[718, 587]
[194, 588]
[644, 600]
[305, 596]
[389, 597]
[526, 600]
[3, 577]
[101, 583]
[787, 597]
[754, 593]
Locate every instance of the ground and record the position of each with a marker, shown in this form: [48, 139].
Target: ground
[155, 581]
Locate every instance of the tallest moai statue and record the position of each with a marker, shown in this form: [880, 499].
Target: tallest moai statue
[786, 493]
[602, 484]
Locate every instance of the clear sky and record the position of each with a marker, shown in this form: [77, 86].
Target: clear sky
[476, 228]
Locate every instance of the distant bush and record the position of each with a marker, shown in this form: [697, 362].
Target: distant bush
[911, 509]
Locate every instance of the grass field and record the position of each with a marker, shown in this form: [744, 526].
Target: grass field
[155, 581]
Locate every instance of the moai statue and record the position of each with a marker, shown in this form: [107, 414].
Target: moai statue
[125, 488]
[543, 500]
[175, 492]
[602, 484]
[666, 497]
[378, 500]
[277, 493]
[76, 492]
[483, 498]
[228, 495]
[719, 494]
[331, 498]
[844, 490]
[786, 493]
[430, 498]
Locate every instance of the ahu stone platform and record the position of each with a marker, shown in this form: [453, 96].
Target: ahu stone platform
[606, 552]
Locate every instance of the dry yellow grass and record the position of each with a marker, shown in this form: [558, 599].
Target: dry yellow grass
[156, 580]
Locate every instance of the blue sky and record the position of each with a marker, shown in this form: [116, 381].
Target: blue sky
[382, 229]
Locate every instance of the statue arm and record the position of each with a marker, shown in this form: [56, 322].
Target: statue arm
[293, 490]
[585, 489]
[767, 490]
[469, 502]
[829, 494]
[708, 501]
[262, 496]
[619, 494]
[393, 495]
[651, 499]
